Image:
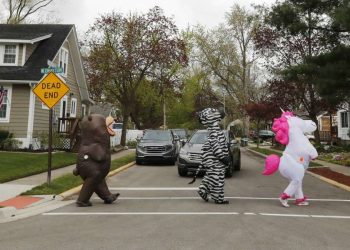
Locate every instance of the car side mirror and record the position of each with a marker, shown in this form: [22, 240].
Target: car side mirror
[176, 138]
[183, 142]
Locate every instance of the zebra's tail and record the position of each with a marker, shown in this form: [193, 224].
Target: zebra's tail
[271, 164]
[195, 175]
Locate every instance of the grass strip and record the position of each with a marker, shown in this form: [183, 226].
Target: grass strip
[15, 165]
[68, 181]
[266, 151]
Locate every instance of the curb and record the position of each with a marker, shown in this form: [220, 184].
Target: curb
[75, 190]
[329, 181]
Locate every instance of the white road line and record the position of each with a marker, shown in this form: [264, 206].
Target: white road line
[227, 197]
[330, 216]
[285, 215]
[194, 213]
[154, 188]
[147, 213]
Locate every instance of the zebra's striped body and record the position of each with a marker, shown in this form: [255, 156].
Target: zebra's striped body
[214, 156]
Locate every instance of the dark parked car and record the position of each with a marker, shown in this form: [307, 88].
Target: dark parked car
[157, 145]
[190, 153]
[266, 134]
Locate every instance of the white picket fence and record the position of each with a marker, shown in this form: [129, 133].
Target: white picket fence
[131, 135]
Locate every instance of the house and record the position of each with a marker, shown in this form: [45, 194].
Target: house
[24, 50]
[343, 123]
[327, 125]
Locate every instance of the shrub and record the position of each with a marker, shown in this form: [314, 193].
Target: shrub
[10, 144]
[7, 142]
[131, 144]
[4, 135]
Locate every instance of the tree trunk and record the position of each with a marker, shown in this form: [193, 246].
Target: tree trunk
[125, 123]
[317, 131]
[135, 120]
[258, 129]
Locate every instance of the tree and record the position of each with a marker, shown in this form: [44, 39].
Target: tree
[332, 69]
[17, 11]
[227, 52]
[259, 112]
[124, 51]
[290, 35]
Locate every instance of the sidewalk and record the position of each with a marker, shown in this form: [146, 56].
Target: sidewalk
[10, 190]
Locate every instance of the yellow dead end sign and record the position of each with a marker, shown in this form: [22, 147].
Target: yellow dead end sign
[50, 89]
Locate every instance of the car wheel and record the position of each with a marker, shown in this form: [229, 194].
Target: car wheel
[182, 172]
[229, 171]
[238, 164]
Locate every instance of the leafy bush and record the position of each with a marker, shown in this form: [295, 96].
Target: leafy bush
[43, 137]
[131, 144]
[332, 149]
[7, 142]
[10, 144]
[4, 135]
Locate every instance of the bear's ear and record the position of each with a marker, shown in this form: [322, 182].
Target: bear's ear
[90, 118]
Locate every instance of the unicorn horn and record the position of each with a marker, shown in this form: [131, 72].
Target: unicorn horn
[282, 110]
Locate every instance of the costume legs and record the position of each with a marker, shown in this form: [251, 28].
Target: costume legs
[213, 184]
[103, 192]
[294, 172]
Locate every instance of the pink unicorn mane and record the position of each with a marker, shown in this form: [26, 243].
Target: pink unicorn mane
[281, 128]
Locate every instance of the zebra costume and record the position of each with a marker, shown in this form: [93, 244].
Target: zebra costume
[215, 157]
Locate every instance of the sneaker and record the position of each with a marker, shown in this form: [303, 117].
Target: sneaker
[284, 202]
[301, 202]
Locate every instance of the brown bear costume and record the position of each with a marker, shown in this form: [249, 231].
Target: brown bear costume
[94, 159]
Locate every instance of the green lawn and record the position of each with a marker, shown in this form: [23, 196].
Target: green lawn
[15, 165]
[68, 181]
[267, 151]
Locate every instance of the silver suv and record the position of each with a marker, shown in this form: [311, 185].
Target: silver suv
[157, 145]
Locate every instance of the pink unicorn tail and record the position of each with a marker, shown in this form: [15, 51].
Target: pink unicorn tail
[271, 164]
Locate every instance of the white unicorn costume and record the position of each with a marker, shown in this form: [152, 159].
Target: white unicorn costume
[295, 160]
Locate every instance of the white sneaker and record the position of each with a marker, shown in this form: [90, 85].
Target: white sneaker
[284, 202]
[303, 203]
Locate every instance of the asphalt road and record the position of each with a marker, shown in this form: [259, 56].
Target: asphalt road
[157, 209]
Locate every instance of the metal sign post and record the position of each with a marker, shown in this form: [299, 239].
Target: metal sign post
[49, 149]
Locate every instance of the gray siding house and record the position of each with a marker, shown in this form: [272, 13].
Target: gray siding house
[24, 50]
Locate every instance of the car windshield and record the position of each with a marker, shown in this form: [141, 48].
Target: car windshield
[117, 125]
[157, 135]
[199, 137]
[180, 133]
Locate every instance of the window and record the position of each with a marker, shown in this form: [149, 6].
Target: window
[73, 107]
[83, 110]
[43, 106]
[5, 105]
[8, 54]
[344, 119]
[63, 60]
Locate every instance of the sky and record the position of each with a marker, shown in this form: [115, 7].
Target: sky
[209, 13]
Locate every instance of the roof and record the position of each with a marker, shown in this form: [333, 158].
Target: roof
[46, 50]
